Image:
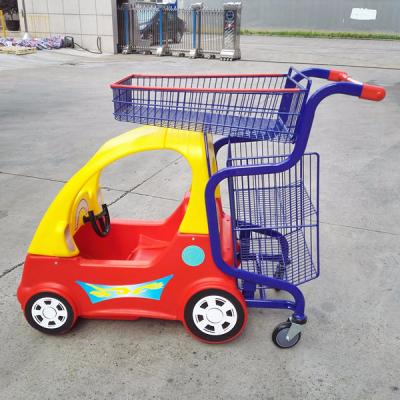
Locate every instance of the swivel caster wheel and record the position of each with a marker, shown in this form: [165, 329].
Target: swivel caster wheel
[282, 337]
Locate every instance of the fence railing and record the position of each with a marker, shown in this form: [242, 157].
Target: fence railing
[164, 30]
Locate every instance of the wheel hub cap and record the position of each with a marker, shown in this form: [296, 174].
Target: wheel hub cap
[214, 315]
[49, 312]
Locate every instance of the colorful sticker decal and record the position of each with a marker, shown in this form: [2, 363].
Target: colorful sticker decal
[193, 256]
[147, 290]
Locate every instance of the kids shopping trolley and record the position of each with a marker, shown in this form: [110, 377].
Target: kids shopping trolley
[247, 228]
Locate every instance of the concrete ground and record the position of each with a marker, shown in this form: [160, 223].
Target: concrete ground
[55, 111]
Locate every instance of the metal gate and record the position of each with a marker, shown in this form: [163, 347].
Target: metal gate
[166, 30]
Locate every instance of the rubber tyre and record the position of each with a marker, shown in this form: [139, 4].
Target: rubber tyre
[66, 326]
[279, 333]
[194, 330]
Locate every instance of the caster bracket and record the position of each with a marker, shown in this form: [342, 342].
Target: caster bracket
[294, 330]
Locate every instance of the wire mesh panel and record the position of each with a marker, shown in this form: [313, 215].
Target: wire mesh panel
[179, 30]
[260, 107]
[147, 26]
[275, 217]
[211, 28]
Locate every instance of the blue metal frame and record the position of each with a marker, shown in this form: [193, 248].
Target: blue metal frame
[161, 25]
[303, 131]
[125, 8]
[194, 28]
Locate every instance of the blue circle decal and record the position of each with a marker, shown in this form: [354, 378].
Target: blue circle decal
[229, 15]
[193, 256]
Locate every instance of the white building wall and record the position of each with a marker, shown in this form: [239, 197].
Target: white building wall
[85, 20]
[318, 15]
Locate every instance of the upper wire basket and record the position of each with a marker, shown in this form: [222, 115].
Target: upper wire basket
[256, 107]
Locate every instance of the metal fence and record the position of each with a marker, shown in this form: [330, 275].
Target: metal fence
[164, 30]
[179, 29]
[211, 28]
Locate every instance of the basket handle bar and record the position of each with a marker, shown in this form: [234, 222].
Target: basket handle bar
[362, 90]
[341, 84]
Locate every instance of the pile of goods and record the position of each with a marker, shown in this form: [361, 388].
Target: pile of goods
[25, 46]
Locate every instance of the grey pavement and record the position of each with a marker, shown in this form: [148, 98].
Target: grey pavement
[55, 111]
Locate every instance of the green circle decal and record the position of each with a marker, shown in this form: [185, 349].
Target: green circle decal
[193, 256]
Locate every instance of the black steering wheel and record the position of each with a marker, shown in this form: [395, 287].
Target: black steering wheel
[100, 222]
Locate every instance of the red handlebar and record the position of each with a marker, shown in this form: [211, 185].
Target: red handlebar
[338, 76]
[368, 92]
[373, 92]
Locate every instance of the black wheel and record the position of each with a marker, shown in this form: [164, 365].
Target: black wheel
[279, 336]
[49, 313]
[214, 316]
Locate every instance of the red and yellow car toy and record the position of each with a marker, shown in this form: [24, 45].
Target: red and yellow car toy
[82, 264]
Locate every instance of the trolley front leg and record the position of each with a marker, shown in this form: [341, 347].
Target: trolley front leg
[286, 334]
[297, 305]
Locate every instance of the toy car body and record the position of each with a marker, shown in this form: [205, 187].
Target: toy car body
[158, 269]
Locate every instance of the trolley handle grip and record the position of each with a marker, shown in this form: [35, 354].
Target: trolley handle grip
[368, 92]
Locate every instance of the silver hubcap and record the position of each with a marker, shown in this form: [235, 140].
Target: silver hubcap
[49, 313]
[214, 315]
[282, 340]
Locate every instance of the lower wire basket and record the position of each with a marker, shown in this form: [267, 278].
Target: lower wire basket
[275, 220]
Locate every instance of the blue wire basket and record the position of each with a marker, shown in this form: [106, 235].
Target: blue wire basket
[257, 107]
[275, 217]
